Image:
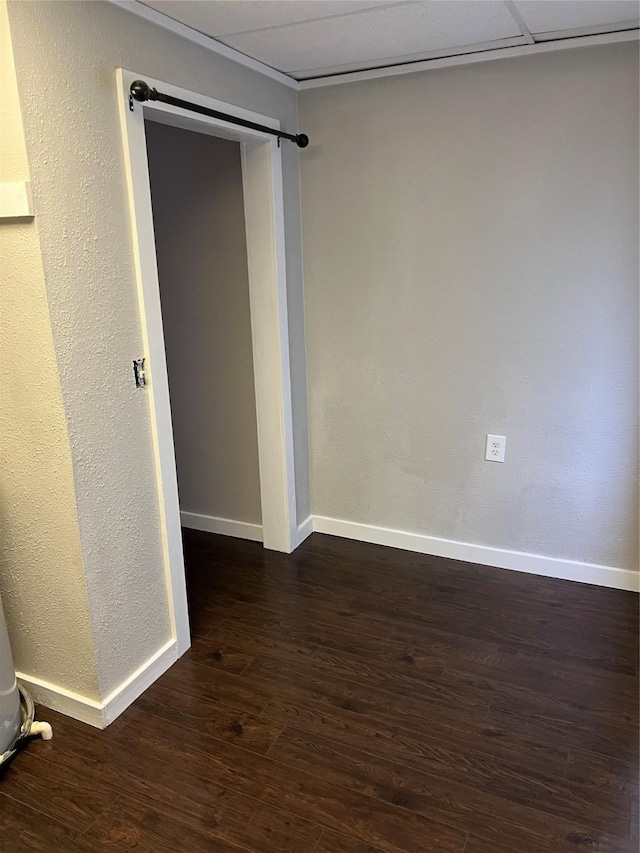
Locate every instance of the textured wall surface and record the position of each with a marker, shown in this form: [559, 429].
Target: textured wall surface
[471, 267]
[201, 246]
[41, 572]
[66, 55]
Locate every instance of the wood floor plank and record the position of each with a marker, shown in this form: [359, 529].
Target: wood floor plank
[373, 568]
[350, 698]
[442, 602]
[524, 644]
[176, 795]
[384, 738]
[578, 701]
[297, 791]
[217, 686]
[211, 717]
[261, 633]
[449, 748]
[551, 825]
[432, 653]
[595, 709]
[226, 657]
[24, 828]
[131, 824]
[591, 734]
[323, 668]
[492, 729]
[328, 561]
[58, 791]
[223, 822]
[507, 625]
[603, 772]
[605, 844]
[333, 842]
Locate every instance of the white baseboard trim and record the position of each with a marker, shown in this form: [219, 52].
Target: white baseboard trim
[119, 699]
[518, 561]
[91, 711]
[304, 530]
[66, 701]
[225, 526]
[240, 529]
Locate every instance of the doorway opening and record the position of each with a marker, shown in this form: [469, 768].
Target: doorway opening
[201, 251]
[261, 167]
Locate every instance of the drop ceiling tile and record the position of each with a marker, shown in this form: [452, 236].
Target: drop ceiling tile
[544, 16]
[375, 35]
[222, 17]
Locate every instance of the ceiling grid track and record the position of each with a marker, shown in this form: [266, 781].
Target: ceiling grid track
[517, 17]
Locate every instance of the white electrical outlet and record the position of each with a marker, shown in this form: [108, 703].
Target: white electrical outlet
[495, 448]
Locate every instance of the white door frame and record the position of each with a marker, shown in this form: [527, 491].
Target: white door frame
[264, 217]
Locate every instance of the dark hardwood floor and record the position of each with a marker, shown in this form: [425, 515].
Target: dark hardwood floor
[357, 699]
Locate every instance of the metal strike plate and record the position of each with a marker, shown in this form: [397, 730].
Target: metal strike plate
[139, 373]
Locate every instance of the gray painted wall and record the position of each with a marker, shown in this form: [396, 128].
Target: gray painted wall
[198, 215]
[66, 56]
[40, 556]
[471, 267]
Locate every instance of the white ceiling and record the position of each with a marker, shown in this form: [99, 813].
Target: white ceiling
[312, 38]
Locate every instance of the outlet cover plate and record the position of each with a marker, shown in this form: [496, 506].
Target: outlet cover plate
[495, 448]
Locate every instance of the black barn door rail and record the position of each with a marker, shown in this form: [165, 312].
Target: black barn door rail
[141, 91]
